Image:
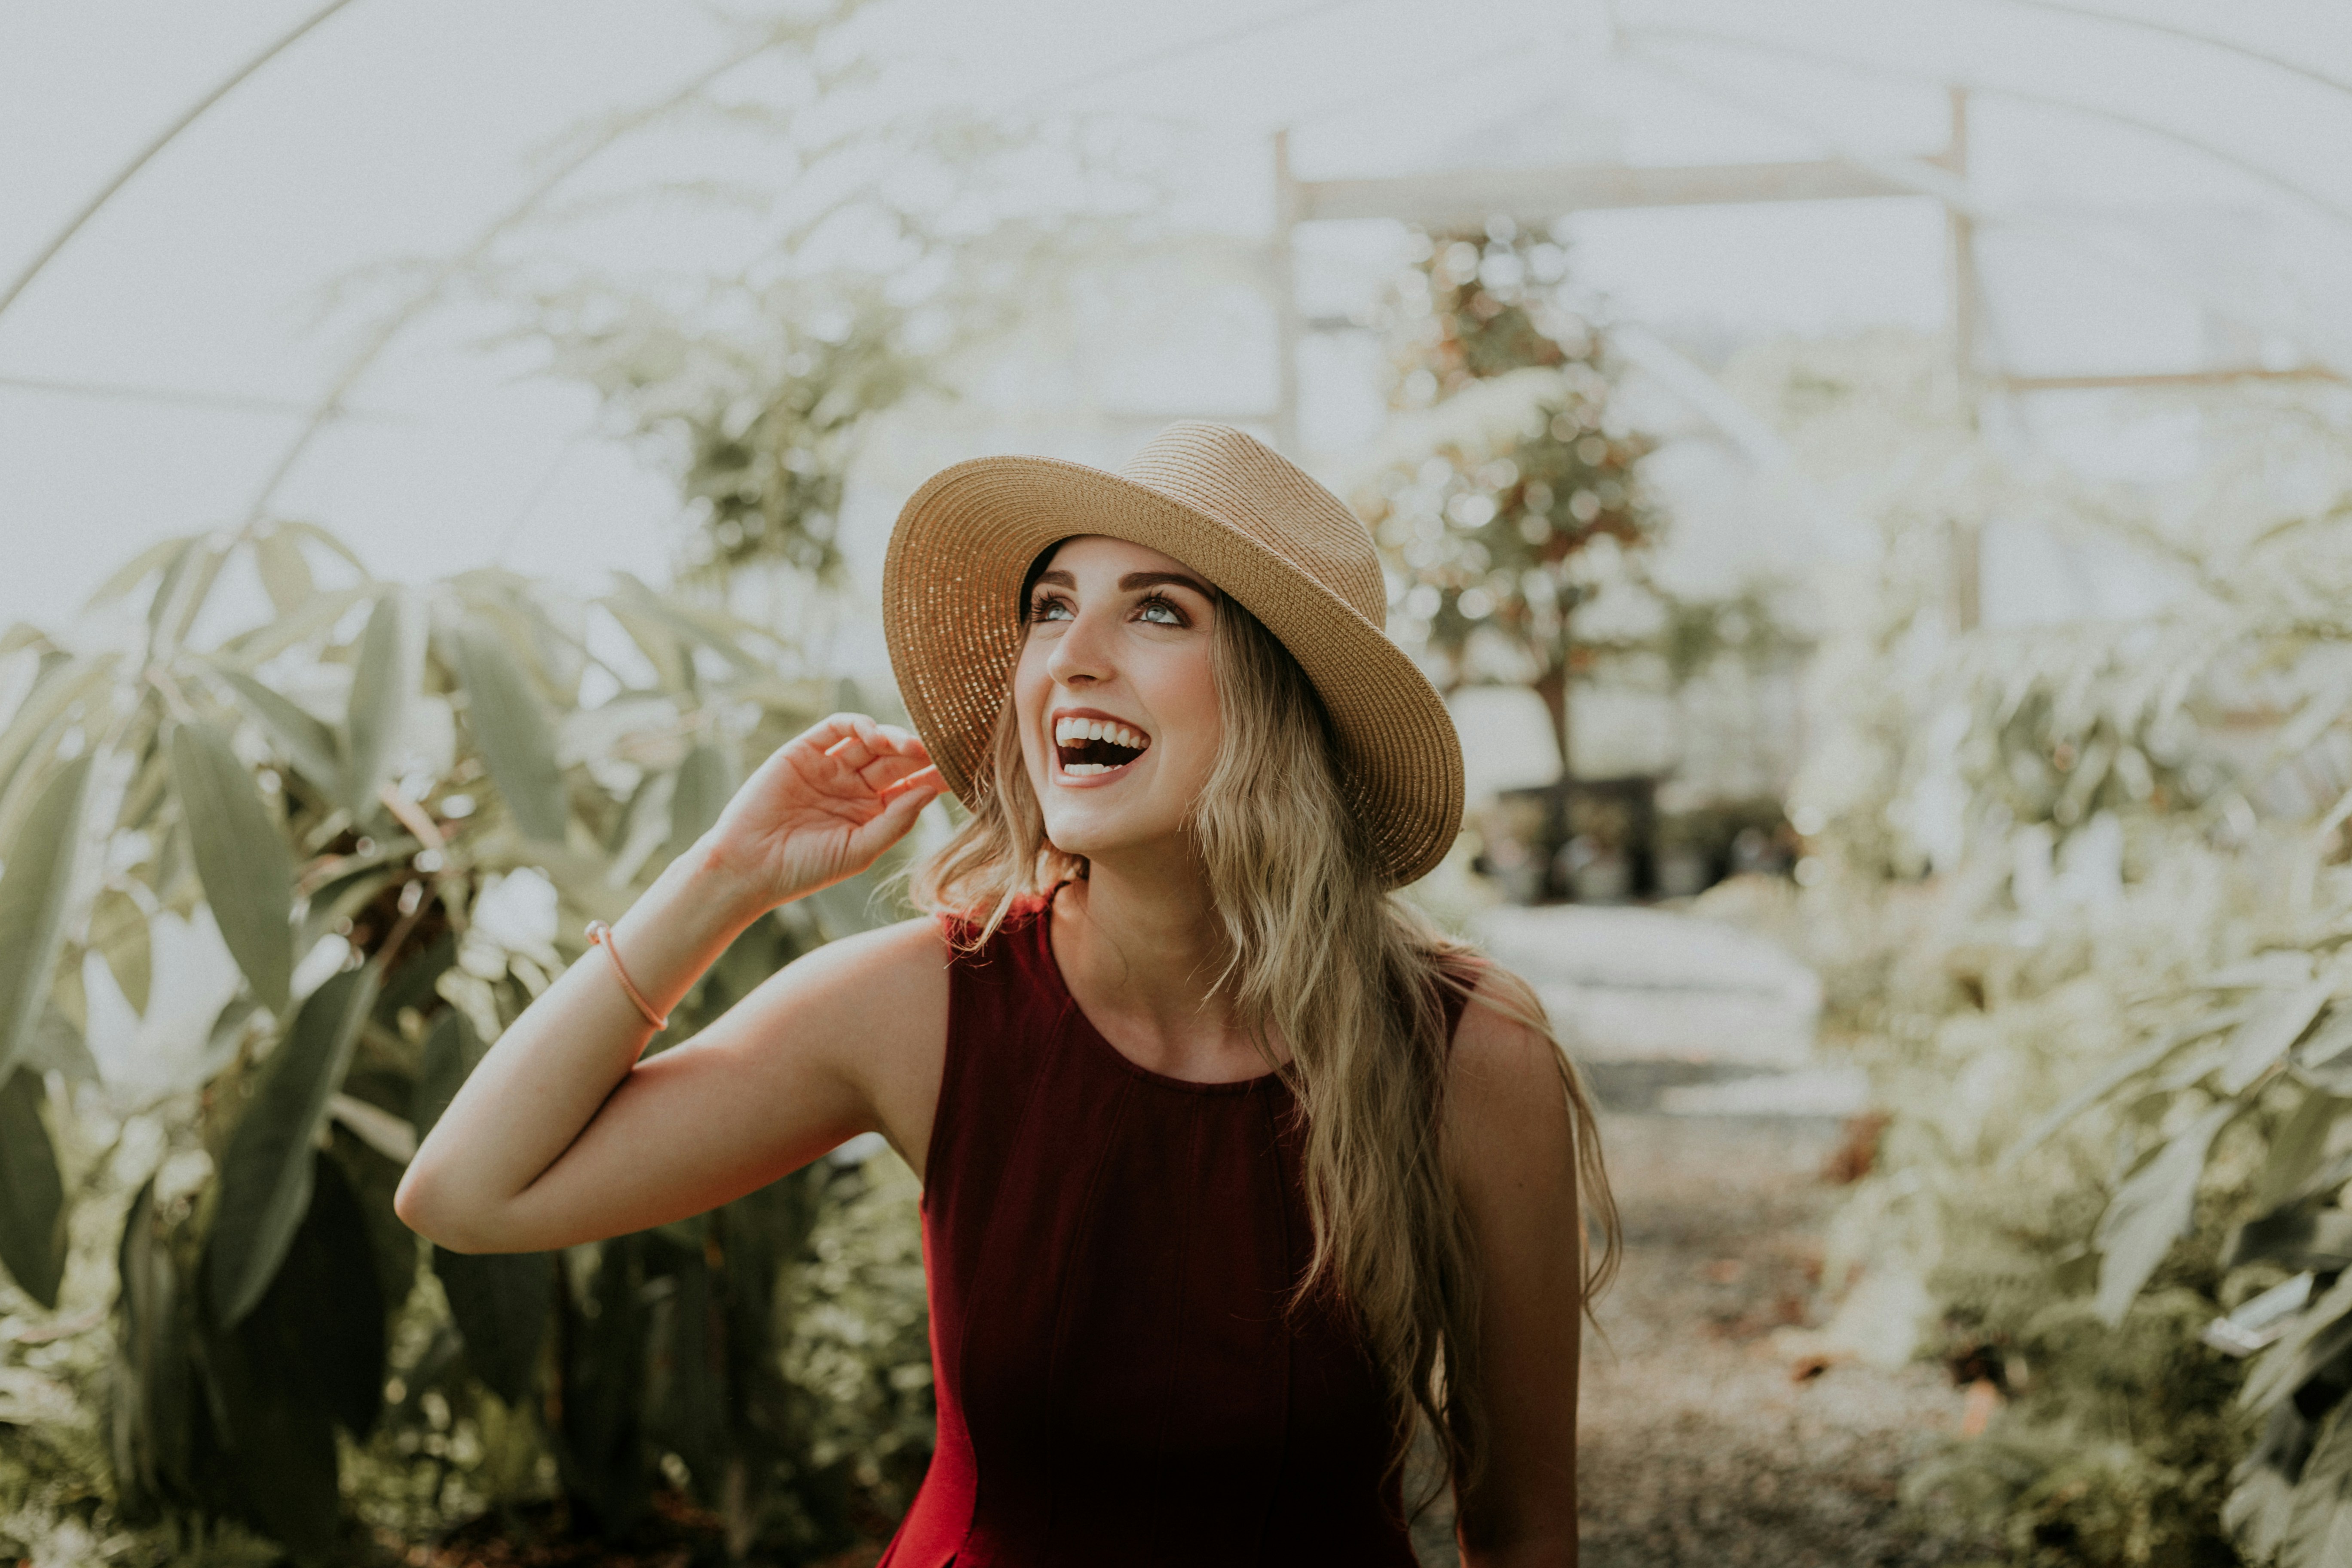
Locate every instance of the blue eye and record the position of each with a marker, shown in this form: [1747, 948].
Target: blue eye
[1049, 608]
[1159, 612]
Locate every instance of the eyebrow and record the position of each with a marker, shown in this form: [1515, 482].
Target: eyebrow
[1134, 580]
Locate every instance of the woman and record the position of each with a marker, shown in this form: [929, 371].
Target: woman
[1232, 1168]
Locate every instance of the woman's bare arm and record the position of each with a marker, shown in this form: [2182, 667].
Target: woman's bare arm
[561, 1135]
[1511, 1141]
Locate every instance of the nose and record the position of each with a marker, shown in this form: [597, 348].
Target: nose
[1082, 654]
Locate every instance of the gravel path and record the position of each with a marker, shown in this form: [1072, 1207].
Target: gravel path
[1699, 1448]
[1698, 1444]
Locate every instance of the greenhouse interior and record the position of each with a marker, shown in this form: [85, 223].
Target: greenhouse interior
[1864, 481]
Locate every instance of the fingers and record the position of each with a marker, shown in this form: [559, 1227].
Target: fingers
[864, 742]
[928, 781]
[907, 801]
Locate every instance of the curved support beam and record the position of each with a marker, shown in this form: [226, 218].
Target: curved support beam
[2318, 200]
[122, 177]
[329, 406]
[1931, 179]
[2187, 36]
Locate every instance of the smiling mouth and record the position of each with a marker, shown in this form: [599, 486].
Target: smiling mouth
[1085, 747]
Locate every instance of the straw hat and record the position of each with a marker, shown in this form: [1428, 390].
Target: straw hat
[1234, 511]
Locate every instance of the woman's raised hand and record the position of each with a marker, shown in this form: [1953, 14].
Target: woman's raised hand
[822, 807]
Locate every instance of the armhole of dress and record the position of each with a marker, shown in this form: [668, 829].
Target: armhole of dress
[954, 931]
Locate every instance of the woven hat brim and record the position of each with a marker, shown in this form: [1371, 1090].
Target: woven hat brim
[950, 587]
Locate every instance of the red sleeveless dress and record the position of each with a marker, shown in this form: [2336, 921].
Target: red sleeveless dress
[1110, 1254]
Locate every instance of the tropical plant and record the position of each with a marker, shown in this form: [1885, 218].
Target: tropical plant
[272, 884]
[1509, 472]
[2110, 1019]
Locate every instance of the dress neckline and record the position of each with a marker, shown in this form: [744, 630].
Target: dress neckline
[1084, 1027]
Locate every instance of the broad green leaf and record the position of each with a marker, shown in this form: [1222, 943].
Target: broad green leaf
[501, 1302]
[266, 1177]
[118, 931]
[152, 1409]
[601, 1419]
[58, 1045]
[2151, 1211]
[310, 1355]
[2259, 1510]
[32, 1193]
[2319, 1530]
[70, 682]
[266, 641]
[2297, 1149]
[511, 732]
[2299, 1237]
[2279, 1020]
[332, 1310]
[451, 1053]
[705, 783]
[715, 629]
[285, 573]
[2321, 1333]
[156, 557]
[384, 688]
[307, 742]
[2124, 1068]
[320, 536]
[663, 649]
[33, 888]
[180, 597]
[242, 856]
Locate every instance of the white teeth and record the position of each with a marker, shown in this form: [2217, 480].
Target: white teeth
[1076, 768]
[1069, 732]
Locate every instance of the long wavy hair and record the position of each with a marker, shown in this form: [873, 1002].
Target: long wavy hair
[1320, 956]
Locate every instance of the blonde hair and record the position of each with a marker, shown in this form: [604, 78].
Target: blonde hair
[1322, 956]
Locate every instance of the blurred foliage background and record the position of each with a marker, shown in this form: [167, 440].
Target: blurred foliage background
[285, 846]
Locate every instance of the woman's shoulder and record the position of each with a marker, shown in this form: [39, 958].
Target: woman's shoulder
[886, 961]
[1504, 1042]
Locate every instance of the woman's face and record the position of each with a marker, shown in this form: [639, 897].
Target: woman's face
[1115, 695]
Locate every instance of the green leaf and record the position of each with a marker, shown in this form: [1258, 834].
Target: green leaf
[2279, 1020]
[2301, 1237]
[266, 641]
[285, 572]
[2320, 1333]
[510, 729]
[383, 689]
[501, 1302]
[69, 682]
[181, 596]
[156, 557]
[117, 930]
[242, 856]
[2151, 1211]
[320, 536]
[33, 888]
[58, 1046]
[2114, 1075]
[451, 1053]
[705, 783]
[153, 1378]
[309, 744]
[279, 1439]
[266, 1176]
[2297, 1149]
[32, 1193]
[2319, 1530]
[325, 1308]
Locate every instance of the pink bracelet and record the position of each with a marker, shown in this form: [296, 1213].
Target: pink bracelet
[599, 934]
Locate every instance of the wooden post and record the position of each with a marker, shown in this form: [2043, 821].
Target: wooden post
[1287, 327]
[1966, 541]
